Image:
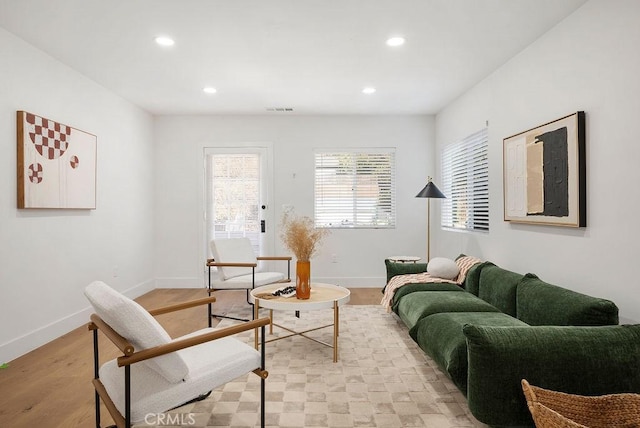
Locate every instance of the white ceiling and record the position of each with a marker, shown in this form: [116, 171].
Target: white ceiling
[314, 56]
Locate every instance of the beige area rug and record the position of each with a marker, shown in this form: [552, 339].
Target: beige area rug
[382, 379]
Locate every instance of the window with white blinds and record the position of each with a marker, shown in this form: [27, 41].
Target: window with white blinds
[465, 182]
[355, 189]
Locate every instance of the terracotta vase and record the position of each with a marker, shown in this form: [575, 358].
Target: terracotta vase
[303, 279]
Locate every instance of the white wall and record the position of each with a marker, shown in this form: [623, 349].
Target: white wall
[48, 256]
[148, 223]
[587, 62]
[179, 147]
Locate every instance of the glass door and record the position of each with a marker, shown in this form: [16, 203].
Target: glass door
[237, 196]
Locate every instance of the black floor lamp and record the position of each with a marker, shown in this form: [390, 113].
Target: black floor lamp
[430, 191]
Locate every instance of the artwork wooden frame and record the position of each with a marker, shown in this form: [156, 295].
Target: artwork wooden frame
[56, 165]
[545, 179]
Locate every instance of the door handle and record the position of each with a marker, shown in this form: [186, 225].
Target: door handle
[263, 226]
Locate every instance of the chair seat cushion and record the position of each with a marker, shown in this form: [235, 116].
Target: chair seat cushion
[210, 365]
[244, 281]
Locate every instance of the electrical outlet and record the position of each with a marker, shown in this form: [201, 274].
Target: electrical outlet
[334, 258]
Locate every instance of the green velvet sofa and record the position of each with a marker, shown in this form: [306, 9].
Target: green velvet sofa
[499, 327]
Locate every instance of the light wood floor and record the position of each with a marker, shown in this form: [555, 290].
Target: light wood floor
[51, 386]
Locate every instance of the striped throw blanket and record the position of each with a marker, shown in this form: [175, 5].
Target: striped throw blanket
[464, 263]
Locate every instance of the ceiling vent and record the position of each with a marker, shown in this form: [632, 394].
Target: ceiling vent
[280, 109]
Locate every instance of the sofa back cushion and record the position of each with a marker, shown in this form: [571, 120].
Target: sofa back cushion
[498, 287]
[540, 303]
[472, 279]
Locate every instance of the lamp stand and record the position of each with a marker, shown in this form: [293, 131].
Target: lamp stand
[429, 191]
[428, 229]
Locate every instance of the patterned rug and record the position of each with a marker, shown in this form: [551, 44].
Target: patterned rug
[382, 379]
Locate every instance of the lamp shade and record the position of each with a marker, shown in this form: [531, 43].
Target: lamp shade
[430, 191]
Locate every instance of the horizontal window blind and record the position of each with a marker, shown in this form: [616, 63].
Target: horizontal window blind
[465, 181]
[355, 189]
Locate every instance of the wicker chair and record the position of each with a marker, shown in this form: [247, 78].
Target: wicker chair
[551, 409]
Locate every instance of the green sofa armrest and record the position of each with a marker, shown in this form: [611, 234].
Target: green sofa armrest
[394, 268]
[576, 360]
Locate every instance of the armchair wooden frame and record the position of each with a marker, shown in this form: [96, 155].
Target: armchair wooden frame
[212, 263]
[131, 356]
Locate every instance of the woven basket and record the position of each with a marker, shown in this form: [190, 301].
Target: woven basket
[551, 409]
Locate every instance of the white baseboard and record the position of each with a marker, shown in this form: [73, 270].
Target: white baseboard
[180, 283]
[349, 282]
[36, 338]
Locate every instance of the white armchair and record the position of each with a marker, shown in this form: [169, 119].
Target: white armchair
[237, 265]
[156, 373]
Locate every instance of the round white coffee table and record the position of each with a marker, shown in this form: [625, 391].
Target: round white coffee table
[323, 296]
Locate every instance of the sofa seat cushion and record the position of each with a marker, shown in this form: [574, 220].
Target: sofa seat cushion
[426, 286]
[441, 337]
[576, 360]
[540, 303]
[415, 306]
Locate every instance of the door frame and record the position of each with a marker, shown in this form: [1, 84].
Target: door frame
[268, 214]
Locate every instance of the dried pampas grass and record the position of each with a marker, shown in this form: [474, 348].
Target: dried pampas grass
[301, 237]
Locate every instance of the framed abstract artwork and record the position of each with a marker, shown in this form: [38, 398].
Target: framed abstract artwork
[56, 165]
[545, 178]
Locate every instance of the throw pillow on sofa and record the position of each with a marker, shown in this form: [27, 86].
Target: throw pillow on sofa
[444, 268]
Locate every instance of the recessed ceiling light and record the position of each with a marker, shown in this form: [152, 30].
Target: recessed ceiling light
[210, 90]
[395, 41]
[368, 90]
[165, 41]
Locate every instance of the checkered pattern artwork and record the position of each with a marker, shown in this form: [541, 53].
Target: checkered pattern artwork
[56, 164]
[382, 379]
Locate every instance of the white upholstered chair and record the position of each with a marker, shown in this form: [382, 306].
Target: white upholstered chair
[155, 372]
[237, 265]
